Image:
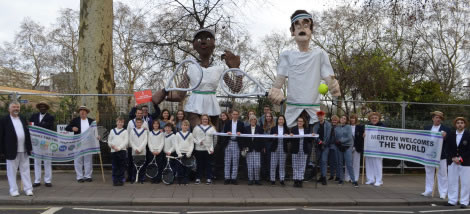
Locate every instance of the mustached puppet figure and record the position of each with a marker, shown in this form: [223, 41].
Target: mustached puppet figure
[203, 100]
[304, 68]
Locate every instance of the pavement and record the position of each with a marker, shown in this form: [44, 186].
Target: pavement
[397, 190]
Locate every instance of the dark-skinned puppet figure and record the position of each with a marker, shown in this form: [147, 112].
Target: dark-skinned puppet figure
[305, 68]
[203, 100]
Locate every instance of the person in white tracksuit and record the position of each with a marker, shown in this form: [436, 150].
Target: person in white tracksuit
[374, 165]
[436, 126]
[458, 161]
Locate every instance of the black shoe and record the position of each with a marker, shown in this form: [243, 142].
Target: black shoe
[295, 183]
[463, 206]
[80, 180]
[48, 185]
[331, 178]
[36, 184]
[301, 184]
[282, 183]
[355, 184]
[227, 181]
[323, 182]
[234, 182]
[337, 179]
[449, 204]
[258, 183]
[250, 183]
[340, 182]
[88, 180]
[273, 183]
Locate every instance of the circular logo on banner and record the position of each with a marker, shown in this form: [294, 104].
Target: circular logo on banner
[53, 147]
[35, 142]
[71, 147]
[62, 148]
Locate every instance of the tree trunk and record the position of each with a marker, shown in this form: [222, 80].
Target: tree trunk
[95, 56]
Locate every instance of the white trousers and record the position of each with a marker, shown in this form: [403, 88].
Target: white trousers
[374, 170]
[457, 172]
[38, 171]
[356, 163]
[441, 178]
[83, 163]
[22, 162]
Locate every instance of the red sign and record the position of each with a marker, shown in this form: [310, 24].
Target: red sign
[143, 96]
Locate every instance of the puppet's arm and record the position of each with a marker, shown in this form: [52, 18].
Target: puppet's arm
[333, 86]
[275, 93]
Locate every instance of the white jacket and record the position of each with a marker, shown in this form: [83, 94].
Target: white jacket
[119, 138]
[138, 140]
[185, 143]
[156, 141]
[170, 143]
[206, 135]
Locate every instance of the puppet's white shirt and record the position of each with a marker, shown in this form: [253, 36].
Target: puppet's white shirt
[304, 71]
[203, 100]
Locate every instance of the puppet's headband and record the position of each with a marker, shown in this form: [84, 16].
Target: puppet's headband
[203, 30]
[301, 16]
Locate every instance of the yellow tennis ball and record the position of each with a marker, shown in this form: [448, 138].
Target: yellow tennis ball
[323, 89]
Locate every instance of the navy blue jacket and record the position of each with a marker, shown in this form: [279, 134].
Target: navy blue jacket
[275, 141]
[295, 142]
[228, 128]
[463, 150]
[47, 121]
[256, 144]
[9, 140]
[76, 122]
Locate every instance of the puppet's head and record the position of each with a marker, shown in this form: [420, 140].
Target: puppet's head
[301, 26]
[204, 42]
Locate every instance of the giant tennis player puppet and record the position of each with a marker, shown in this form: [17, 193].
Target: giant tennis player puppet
[304, 68]
[202, 99]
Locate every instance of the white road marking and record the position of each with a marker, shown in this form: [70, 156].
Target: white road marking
[52, 210]
[242, 211]
[23, 208]
[124, 211]
[439, 211]
[358, 211]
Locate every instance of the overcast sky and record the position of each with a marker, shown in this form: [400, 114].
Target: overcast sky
[259, 19]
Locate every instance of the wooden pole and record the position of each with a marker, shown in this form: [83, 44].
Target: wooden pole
[435, 183]
[101, 165]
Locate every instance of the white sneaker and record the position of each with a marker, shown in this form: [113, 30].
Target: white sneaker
[15, 194]
[369, 182]
[443, 197]
[29, 193]
[209, 181]
[378, 184]
[198, 181]
[426, 194]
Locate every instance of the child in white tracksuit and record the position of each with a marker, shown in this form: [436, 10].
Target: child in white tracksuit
[184, 147]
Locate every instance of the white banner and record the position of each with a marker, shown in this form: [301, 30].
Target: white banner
[419, 146]
[62, 147]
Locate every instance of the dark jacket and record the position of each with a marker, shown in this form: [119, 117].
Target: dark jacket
[47, 121]
[256, 144]
[463, 150]
[9, 140]
[444, 142]
[228, 128]
[275, 141]
[153, 116]
[295, 142]
[326, 130]
[359, 138]
[76, 122]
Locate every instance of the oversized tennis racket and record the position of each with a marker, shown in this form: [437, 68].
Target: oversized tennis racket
[152, 168]
[103, 133]
[187, 76]
[139, 161]
[167, 175]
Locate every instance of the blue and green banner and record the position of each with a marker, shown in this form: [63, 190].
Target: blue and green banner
[61, 147]
[419, 146]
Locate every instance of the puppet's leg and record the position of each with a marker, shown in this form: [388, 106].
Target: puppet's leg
[194, 119]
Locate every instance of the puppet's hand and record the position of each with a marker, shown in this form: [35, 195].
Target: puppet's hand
[232, 60]
[159, 96]
[275, 95]
[333, 85]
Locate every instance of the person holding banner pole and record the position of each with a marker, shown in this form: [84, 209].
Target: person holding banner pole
[436, 126]
[374, 165]
[357, 131]
[458, 161]
[83, 164]
[15, 144]
[44, 120]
